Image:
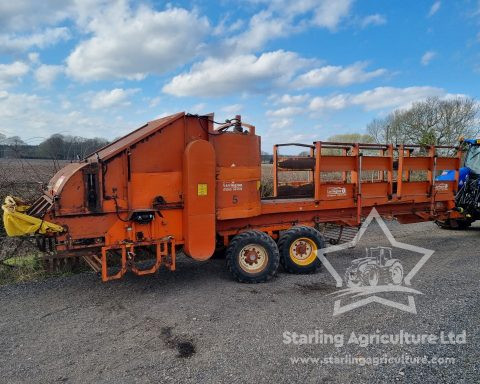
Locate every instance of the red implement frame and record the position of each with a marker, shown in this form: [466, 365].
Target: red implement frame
[164, 254]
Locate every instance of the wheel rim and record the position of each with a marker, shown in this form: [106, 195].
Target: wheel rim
[253, 258]
[303, 251]
[397, 275]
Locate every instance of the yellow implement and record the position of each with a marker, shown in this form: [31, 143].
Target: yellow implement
[18, 223]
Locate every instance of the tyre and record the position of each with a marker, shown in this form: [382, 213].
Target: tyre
[458, 224]
[371, 276]
[298, 249]
[252, 257]
[396, 273]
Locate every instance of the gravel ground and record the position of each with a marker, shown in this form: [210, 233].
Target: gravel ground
[197, 326]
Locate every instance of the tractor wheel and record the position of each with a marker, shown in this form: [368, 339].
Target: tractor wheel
[371, 276]
[457, 224]
[252, 257]
[298, 249]
[396, 273]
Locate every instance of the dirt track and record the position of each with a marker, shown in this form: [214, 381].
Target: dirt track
[196, 325]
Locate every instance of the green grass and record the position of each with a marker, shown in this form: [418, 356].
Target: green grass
[20, 269]
[26, 268]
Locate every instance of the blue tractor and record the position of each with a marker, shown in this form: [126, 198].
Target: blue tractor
[467, 200]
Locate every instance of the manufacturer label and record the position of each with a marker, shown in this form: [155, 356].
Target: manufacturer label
[441, 187]
[230, 186]
[336, 191]
[202, 190]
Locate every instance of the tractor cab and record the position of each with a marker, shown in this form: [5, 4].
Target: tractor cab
[471, 164]
[380, 254]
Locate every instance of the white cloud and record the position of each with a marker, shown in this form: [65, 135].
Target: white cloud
[337, 76]
[240, 74]
[434, 8]
[329, 13]
[262, 28]
[285, 112]
[232, 109]
[40, 118]
[115, 97]
[30, 14]
[11, 73]
[375, 19]
[50, 36]
[154, 101]
[337, 102]
[131, 44]
[46, 74]
[287, 99]
[428, 57]
[198, 108]
[33, 57]
[282, 18]
[377, 98]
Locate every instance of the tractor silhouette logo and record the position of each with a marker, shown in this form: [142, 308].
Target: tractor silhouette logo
[367, 279]
[377, 268]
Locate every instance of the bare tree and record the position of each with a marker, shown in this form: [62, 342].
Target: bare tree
[433, 121]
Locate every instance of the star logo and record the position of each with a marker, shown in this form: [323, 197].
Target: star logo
[377, 273]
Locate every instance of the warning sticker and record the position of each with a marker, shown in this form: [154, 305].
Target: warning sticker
[202, 190]
[336, 191]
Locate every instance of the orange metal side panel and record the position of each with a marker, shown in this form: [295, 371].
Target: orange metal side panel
[447, 163]
[73, 195]
[415, 188]
[337, 163]
[238, 175]
[416, 163]
[376, 163]
[199, 201]
[146, 186]
[379, 190]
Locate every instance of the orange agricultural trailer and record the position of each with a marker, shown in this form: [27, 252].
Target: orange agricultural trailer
[180, 183]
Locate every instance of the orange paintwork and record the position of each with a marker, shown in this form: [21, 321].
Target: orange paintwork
[199, 199]
[178, 182]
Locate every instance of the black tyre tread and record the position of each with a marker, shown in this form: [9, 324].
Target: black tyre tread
[461, 225]
[249, 236]
[293, 233]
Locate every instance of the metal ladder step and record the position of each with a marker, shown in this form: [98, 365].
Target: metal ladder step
[93, 262]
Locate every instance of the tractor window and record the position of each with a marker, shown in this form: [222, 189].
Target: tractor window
[472, 160]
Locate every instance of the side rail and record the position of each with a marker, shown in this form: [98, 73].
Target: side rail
[293, 175]
[416, 174]
[355, 174]
[345, 175]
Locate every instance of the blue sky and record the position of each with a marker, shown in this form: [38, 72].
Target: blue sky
[299, 71]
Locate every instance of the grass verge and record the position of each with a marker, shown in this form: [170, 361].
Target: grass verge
[26, 268]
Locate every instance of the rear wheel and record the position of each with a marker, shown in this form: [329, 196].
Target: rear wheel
[299, 249]
[396, 273]
[252, 257]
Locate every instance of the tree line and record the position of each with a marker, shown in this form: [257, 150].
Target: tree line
[433, 121]
[56, 147]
